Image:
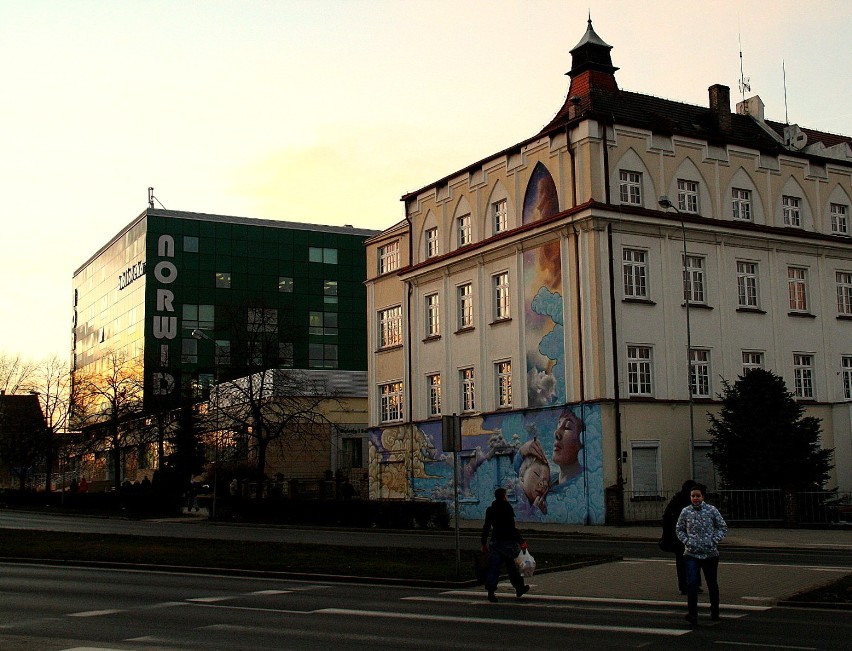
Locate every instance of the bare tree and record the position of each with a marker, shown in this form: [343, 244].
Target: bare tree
[16, 374]
[52, 382]
[105, 404]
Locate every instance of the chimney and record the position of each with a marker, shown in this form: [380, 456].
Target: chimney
[720, 106]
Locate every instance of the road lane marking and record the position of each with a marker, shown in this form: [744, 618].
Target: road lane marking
[270, 592]
[606, 600]
[94, 613]
[821, 568]
[210, 600]
[522, 623]
[765, 646]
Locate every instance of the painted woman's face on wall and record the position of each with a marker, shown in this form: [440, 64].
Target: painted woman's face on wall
[566, 440]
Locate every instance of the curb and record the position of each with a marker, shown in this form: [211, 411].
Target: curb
[828, 605]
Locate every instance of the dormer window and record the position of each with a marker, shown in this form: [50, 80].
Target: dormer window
[500, 212]
[687, 196]
[792, 207]
[630, 187]
[839, 219]
[431, 242]
[464, 230]
[741, 204]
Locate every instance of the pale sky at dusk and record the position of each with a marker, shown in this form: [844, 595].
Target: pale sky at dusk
[327, 111]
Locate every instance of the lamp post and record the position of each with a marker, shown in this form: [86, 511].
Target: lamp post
[666, 203]
[200, 334]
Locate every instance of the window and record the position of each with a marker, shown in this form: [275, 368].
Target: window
[390, 327]
[699, 372]
[501, 295]
[645, 468]
[687, 196]
[639, 371]
[433, 316]
[189, 351]
[693, 282]
[262, 320]
[322, 355]
[318, 254]
[434, 382]
[503, 373]
[199, 317]
[190, 244]
[797, 285]
[635, 271]
[792, 211]
[351, 453]
[468, 389]
[500, 212]
[846, 365]
[844, 293]
[803, 376]
[223, 279]
[322, 323]
[285, 284]
[465, 295]
[630, 187]
[752, 359]
[285, 354]
[839, 219]
[464, 230]
[391, 402]
[329, 290]
[431, 242]
[389, 257]
[747, 284]
[741, 204]
[222, 352]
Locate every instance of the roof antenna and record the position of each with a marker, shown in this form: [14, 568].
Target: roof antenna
[745, 86]
[784, 73]
[152, 199]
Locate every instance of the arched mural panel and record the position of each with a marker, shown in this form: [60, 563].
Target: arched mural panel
[541, 200]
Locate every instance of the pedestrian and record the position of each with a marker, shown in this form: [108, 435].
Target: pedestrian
[669, 541]
[700, 527]
[506, 543]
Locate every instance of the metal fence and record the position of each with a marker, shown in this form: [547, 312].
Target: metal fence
[762, 507]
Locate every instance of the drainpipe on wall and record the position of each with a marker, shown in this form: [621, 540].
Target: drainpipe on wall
[582, 360]
[409, 398]
[619, 474]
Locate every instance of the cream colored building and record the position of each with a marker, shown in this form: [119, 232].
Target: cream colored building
[550, 275]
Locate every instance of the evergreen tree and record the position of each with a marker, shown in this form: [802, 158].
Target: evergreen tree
[762, 440]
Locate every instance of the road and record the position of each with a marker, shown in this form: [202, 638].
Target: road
[65, 608]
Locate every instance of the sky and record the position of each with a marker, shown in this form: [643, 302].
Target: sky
[328, 111]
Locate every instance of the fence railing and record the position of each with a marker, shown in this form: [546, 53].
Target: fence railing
[766, 506]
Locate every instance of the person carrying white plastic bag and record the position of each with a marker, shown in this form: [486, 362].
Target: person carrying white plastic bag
[525, 563]
[505, 541]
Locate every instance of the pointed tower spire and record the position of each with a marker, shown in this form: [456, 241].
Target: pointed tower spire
[592, 55]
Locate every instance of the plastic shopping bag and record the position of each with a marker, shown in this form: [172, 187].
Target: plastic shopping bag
[525, 563]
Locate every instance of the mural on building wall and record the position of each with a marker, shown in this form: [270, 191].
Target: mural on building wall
[541, 200]
[543, 326]
[550, 461]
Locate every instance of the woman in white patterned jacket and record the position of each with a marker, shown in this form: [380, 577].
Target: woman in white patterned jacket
[700, 527]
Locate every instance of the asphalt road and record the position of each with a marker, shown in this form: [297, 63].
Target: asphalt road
[67, 608]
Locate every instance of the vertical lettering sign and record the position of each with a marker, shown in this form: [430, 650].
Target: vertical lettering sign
[164, 320]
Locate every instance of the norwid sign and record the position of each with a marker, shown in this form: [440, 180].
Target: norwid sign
[164, 319]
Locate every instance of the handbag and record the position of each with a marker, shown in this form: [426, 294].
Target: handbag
[480, 567]
[525, 563]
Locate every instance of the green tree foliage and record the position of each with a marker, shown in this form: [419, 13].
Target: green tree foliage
[762, 440]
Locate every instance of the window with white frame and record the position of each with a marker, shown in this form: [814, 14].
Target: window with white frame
[752, 359]
[846, 368]
[747, 295]
[500, 214]
[639, 371]
[693, 281]
[468, 389]
[391, 402]
[635, 272]
[741, 204]
[839, 219]
[464, 232]
[434, 383]
[390, 327]
[844, 293]
[465, 305]
[699, 372]
[431, 242]
[803, 375]
[501, 295]
[630, 187]
[503, 373]
[792, 208]
[645, 468]
[797, 278]
[389, 257]
[687, 196]
[433, 316]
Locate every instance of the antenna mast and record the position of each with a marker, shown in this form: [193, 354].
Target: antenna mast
[784, 73]
[745, 86]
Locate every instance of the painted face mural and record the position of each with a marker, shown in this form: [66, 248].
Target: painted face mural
[549, 461]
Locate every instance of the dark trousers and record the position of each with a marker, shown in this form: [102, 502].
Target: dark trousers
[680, 565]
[502, 553]
[694, 568]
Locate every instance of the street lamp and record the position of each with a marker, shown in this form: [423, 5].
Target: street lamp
[666, 203]
[200, 334]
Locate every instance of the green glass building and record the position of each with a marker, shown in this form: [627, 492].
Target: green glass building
[184, 291]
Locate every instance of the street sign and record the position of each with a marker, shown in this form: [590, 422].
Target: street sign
[451, 431]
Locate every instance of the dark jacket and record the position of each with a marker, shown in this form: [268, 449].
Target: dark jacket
[500, 517]
[670, 516]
